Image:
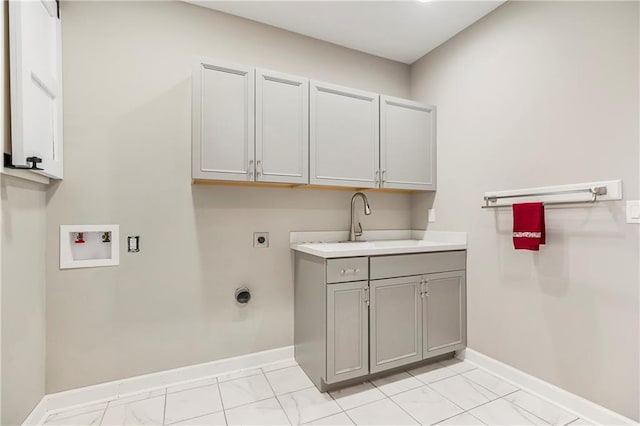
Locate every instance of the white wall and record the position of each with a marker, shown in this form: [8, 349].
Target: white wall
[127, 70]
[534, 94]
[22, 275]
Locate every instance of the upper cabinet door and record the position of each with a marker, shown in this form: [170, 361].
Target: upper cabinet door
[282, 128]
[36, 84]
[344, 143]
[407, 144]
[223, 121]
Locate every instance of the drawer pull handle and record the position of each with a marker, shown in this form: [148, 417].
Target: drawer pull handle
[349, 271]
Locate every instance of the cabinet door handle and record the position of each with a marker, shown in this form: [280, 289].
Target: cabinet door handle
[258, 169]
[250, 169]
[384, 179]
[349, 271]
[377, 179]
[366, 295]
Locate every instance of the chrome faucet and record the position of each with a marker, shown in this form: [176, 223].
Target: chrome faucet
[367, 211]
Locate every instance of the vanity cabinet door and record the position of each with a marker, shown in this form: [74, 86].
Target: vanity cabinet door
[444, 313]
[347, 331]
[282, 128]
[344, 136]
[407, 144]
[223, 121]
[395, 322]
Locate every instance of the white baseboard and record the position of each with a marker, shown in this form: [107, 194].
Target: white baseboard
[124, 387]
[37, 415]
[575, 404]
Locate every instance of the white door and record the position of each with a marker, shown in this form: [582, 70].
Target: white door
[282, 128]
[36, 85]
[223, 121]
[407, 144]
[344, 143]
[395, 322]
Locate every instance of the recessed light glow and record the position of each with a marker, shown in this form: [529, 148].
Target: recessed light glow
[424, 1]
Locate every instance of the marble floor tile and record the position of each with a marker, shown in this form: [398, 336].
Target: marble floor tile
[288, 380]
[391, 385]
[432, 373]
[383, 412]
[148, 411]
[458, 365]
[491, 382]
[306, 405]
[463, 392]
[545, 410]
[357, 395]
[502, 412]
[464, 419]
[245, 391]
[192, 403]
[266, 412]
[215, 419]
[426, 405]
[339, 419]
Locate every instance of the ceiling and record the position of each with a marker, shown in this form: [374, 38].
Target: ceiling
[403, 31]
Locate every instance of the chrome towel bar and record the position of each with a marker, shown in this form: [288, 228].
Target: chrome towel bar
[594, 191]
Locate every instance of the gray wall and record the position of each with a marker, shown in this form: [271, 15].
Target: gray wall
[127, 71]
[23, 297]
[22, 276]
[544, 93]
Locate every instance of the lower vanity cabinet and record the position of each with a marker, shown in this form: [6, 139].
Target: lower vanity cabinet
[347, 331]
[363, 315]
[395, 322]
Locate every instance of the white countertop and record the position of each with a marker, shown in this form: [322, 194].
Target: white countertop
[328, 245]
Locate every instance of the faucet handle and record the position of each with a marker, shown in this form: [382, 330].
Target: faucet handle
[359, 232]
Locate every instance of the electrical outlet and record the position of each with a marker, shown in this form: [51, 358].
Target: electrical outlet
[133, 244]
[260, 240]
[432, 215]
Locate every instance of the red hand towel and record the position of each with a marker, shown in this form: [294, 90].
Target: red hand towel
[528, 226]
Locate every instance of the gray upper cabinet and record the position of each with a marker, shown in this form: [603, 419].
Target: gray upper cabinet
[347, 331]
[395, 322]
[282, 128]
[407, 144]
[444, 310]
[223, 121]
[344, 142]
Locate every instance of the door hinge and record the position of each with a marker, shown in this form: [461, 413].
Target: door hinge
[8, 163]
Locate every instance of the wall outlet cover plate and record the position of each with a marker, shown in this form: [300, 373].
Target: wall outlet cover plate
[633, 211]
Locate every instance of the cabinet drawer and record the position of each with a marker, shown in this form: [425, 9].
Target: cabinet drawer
[347, 269]
[417, 264]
